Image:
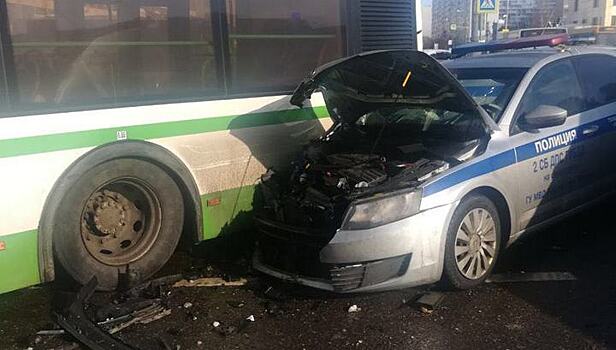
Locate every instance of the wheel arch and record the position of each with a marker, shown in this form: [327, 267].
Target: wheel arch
[143, 150]
[503, 207]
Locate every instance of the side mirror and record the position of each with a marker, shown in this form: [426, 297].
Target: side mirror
[545, 116]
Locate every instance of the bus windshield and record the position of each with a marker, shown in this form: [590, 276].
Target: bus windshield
[492, 88]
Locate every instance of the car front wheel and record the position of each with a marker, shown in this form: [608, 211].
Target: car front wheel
[473, 243]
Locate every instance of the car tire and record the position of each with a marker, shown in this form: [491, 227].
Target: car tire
[123, 212]
[472, 245]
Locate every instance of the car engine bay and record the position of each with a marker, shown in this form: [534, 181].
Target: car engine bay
[353, 161]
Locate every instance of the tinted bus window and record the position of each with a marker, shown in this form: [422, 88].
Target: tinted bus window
[597, 74]
[77, 53]
[274, 44]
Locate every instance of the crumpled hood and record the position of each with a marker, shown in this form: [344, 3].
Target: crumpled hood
[353, 85]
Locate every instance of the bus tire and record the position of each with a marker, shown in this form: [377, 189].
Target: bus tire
[473, 243]
[123, 212]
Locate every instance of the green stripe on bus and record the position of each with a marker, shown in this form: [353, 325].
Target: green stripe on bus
[19, 261]
[90, 138]
[228, 212]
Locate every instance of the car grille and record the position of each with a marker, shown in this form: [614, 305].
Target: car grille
[296, 252]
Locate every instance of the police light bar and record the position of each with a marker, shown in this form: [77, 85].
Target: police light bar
[511, 44]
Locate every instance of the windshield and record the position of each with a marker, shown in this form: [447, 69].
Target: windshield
[492, 88]
[421, 123]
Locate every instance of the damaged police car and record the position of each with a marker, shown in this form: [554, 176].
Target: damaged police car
[427, 171]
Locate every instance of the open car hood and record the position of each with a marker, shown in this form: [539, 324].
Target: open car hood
[354, 85]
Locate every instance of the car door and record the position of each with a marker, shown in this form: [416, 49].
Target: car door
[597, 75]
[549, 170]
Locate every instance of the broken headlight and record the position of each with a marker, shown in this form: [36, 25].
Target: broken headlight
[380, 211]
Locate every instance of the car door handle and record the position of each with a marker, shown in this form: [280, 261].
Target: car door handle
[590, 130]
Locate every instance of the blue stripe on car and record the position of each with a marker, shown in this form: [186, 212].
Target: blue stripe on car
[508, 157]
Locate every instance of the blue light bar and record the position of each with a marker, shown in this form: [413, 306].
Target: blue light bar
[511, 44]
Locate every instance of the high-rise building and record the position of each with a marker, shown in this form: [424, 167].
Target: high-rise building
[590, 12]
[451, 20]
[519, 14]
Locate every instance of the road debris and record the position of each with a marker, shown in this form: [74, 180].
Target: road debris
[428, 302]
[210, 282]
[531, 277]
[51, 332]
[354, 308]
[145, 316]
[74, 320]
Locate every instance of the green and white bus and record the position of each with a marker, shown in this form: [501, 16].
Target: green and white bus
[127, 125]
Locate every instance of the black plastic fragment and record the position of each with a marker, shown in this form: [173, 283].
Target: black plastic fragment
[74, 320]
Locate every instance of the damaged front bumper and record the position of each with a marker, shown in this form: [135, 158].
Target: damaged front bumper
[400, 254]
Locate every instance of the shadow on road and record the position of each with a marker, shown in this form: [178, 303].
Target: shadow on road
[582, 245]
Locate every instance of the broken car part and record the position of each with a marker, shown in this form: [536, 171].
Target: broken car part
[74, 320]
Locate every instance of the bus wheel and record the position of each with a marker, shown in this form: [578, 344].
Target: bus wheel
[124, 212]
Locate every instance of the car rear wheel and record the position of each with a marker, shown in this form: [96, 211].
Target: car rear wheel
[124, 212]
[473, 243]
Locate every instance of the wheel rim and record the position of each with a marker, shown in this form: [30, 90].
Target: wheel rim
[475, 248]
[120, 221]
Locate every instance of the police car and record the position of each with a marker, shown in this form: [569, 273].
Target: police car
[430, 170]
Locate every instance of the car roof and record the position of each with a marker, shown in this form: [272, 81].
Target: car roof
[521, 58]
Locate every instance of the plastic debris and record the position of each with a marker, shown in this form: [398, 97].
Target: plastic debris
[236, 304]
[428, 302]
[51, 332]
[354, 308]
[188, 305]
[251, 318]
[216, 324]
[210, 282]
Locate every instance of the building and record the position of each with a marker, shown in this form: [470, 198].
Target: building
[590, 12]
[451, 20]
[519, 14]
[426, 20]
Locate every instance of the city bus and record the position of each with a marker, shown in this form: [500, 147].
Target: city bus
[126, 126]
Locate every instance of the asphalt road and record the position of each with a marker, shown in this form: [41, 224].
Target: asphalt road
[578, 314]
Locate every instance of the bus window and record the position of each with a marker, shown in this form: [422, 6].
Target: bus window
[275, 43]
[76, 53]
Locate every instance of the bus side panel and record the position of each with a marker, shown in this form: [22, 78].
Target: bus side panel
[26, 183]
[18, 261]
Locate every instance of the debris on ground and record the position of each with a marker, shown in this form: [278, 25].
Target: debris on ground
[145, 316]
[531, 277]
[354, 308]
[50, 332]
[251, 318]
[274, 294]
[210, 282]
[235, 304]
[428, 302]
[216, 324]
[74, 320]
[188, 305]
[94, 325]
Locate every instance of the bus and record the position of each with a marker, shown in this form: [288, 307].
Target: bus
[126, 126]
